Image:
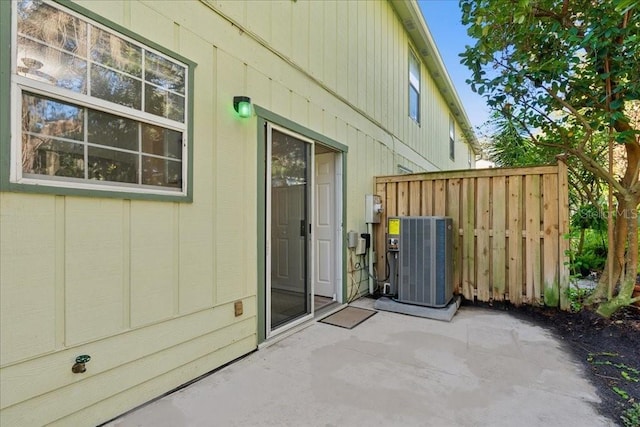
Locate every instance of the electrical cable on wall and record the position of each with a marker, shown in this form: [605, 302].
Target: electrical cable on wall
[353, 268]
[387, 269]
[351, 272]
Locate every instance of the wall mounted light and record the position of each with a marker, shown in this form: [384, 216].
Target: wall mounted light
[242, 105]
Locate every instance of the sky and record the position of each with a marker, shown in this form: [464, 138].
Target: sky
[443, 19]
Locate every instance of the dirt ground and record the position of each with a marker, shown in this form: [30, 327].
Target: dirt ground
[609, 350]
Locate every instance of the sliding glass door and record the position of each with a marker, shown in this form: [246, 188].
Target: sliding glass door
[288, 228]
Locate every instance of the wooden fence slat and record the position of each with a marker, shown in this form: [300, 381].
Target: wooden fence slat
[483, 265]
[440, 197]
[563, 244]
[532, 223]
[468, 238]
[516, 254]
[390, 205]
[426, 206]
[498, 242]
[414, 197]
[403, 199]
[551, 287]
[453, 211]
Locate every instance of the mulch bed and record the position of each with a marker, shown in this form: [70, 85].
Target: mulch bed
[609, 349]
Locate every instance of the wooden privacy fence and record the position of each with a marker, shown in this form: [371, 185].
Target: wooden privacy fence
[510, 224]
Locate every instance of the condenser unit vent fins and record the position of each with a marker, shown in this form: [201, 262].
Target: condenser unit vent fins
[425, 261]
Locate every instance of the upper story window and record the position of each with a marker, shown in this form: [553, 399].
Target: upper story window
[94, 109]
[414, 87]
[452, 138]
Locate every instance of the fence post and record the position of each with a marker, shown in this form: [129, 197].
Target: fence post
[563, 222]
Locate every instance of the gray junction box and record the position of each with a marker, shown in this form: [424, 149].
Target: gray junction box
[425, 259]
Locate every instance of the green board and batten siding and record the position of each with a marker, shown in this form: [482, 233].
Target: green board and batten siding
[146, 287]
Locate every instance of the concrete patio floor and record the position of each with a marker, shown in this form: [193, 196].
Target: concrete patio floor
[484, 368]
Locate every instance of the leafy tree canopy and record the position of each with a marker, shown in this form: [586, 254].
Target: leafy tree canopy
[561, 68]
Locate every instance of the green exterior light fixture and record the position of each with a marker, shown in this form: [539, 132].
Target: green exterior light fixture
[242, 105]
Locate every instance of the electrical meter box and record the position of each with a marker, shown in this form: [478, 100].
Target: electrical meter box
[372, 208]
[425, 258]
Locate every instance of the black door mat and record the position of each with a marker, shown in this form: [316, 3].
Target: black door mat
[348, 317]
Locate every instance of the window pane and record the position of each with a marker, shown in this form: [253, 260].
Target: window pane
[39, 62]
[288, 160]
[414, 104]
[112, 51]
[414, 72]
[52, 26]
[52, 118]
[163, 103]
[46, 156]
[160, 141]
[113, 131]
[116, 87]
[161, 172]
[109, 165]
[164, 73]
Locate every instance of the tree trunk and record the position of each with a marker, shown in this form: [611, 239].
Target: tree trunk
[625, 260]
[581, 242]
[625, 240]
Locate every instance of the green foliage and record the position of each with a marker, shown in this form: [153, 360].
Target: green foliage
[588, 256]
[620, 392]
[510, 145]
[589, 261]
[628, 377]
[576, 297]
[551, 295]
[563, 73]
[541, 63]
[631, 416]
[589, 216]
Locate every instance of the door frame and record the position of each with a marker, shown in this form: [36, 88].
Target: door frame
[265, 116]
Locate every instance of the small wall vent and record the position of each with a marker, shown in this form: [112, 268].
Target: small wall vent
[410, 25]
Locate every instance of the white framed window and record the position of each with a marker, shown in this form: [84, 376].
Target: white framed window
[452, 138]
[94, 109]
[414, 87]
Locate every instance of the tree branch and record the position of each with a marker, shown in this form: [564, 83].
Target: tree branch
[575, 113]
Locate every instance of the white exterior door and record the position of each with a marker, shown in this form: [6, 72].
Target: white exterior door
[325, 226]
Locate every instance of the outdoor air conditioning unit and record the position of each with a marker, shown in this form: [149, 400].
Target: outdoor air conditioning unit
[425, 259]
